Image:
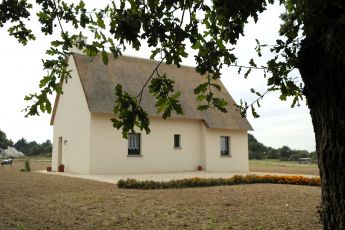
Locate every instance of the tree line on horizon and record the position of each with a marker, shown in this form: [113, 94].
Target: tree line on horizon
[259, 151]
[28, 148]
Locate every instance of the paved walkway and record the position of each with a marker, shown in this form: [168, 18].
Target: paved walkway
[114, 178]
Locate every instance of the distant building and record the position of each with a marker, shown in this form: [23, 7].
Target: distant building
[304, 160]
[85, 141]
[10, 152]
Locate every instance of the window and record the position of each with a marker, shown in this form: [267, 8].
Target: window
[177, 141]
[133, 144]
[224, 146]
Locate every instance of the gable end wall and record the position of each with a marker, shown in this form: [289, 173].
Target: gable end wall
[72, 123]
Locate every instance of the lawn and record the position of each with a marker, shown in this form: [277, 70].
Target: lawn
[39, 201]
[276, 166]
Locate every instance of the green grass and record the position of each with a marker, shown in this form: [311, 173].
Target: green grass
[34, 158]
[276, 162]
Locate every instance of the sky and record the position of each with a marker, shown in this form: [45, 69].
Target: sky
[278, 125]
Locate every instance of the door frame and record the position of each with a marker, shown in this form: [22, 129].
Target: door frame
[59, 152]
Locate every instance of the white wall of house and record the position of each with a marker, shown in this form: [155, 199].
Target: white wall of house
[199, 146]
[72, 123]
[109, 151]
[237, 161]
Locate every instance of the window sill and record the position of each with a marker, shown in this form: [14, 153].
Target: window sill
[225, 156]
[177, 147]
[132, 155]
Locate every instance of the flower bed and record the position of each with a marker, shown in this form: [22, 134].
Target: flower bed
[207, 182]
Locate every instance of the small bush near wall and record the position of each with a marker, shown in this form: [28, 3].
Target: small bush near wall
[207, 182]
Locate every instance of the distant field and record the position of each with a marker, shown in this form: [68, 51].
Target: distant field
[277, 166]
[36, 163]
[40, 201]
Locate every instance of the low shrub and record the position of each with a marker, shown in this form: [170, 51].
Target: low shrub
[208, 182]
[27, 167]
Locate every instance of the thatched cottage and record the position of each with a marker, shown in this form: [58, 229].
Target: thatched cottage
[85, 141]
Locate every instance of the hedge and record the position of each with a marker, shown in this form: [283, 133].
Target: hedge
[208, 182]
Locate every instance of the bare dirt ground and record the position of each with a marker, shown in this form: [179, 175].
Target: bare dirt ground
[39, 201]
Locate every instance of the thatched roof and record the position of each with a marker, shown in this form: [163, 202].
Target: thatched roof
[99, 80]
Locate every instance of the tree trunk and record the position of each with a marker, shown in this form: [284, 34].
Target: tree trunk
[324, 76]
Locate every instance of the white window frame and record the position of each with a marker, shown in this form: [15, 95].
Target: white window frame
[134, 144]
[225, 146]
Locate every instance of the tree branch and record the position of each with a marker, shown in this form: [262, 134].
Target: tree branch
[140, 95]
[58, 18]
[259, 98]
[249, 67]
[184, 9]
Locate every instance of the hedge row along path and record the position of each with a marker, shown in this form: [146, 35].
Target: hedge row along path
[208, 182]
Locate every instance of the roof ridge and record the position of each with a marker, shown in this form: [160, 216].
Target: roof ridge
[143, 59]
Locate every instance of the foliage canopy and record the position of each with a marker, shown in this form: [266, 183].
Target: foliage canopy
[212, 29]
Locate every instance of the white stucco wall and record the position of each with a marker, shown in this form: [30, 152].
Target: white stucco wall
[109, 150]
[72, 123]
[200, 146]
[237, 161]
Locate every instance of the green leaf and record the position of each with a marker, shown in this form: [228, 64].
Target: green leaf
[247, 73]
[252, 63]
[176, 95]
[201, 97]
[196, 45]
[154, 53]
[48, 106]
[44, 81]
[203, 107]
[254, 113]
[100, 23]
[105, 57]
[56, 43]
[201, 88]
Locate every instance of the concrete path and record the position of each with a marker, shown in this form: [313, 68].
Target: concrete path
[163, 176]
